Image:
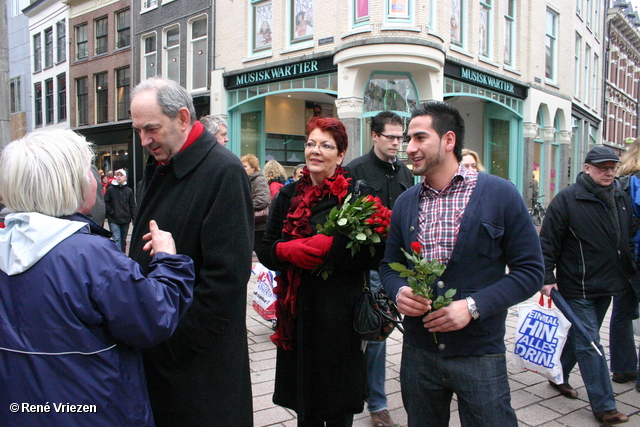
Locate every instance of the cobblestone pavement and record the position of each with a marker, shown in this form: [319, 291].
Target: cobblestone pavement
[535, 402]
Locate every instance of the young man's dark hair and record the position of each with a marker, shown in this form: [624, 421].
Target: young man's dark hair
[381, 119]
[445, 117]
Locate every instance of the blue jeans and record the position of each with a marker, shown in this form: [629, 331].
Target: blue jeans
[119, 232]
[376, 355]
[593, 367]
[624, 358]
[429, 380]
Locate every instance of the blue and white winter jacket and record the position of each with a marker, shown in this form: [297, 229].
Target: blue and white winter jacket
[74, 311]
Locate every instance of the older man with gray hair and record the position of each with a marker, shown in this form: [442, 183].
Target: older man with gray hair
[217, 126]
[200, 376]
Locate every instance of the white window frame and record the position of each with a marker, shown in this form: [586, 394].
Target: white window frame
[301, 42]
[61, 41]
[587, 72]
[147, 5]
[487, 5]
[121, 30]
[170, 53]
[596, 65]
[192, 54]
[392, 17]
[552, 39]
[144, 69]
[37, 52]
[576, 63]
[15, 94]
[265, 15]
[358, 21]
[510, 32]
[461, 7]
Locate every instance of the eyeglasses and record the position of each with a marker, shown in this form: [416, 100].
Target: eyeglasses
[323, 146]
[605, 168]
[393, 137]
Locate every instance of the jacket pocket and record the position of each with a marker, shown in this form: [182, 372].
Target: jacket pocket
[489, 239]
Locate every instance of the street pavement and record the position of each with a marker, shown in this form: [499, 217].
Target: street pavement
[535, 402]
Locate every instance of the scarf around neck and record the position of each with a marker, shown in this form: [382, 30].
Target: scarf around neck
[606, 195]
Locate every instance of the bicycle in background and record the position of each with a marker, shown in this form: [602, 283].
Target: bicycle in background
[537, 211]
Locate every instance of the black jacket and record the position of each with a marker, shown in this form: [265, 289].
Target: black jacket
[120, 203]
[388, 180]
[579, 241]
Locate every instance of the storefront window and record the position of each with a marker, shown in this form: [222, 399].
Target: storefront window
[499, 141]
[112, 157]
[390, 92]
[250, 132]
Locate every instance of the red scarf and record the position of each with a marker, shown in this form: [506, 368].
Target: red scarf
[194, 134]
[297, 226]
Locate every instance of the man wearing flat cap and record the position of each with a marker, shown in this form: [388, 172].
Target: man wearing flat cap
[586, 238]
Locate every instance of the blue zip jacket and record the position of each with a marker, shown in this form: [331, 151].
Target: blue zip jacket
[74, 311]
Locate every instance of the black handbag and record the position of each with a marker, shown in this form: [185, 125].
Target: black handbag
[376, 316]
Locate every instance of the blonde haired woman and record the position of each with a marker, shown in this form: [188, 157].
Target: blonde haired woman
[471, 160]
[275, 175]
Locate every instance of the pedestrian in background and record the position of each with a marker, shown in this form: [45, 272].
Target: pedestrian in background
[478, 226]
[217, 126]
[387, 177]
[275, 175]
[75, 310]
[297, 173]
[471, 160]
[197, 190]
[120, 205]
[260, 196]
[587, 242]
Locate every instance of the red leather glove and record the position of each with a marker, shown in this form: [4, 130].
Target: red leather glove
[306, 253]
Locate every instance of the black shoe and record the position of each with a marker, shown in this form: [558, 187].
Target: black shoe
[565, 389]
[624, 378]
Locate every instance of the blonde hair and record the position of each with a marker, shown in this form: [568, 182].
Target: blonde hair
[252, 161]
[630, 161]
[273, 170]
[466, 151]
[47, 172]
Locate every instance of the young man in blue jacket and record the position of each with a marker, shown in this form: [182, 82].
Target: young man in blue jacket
[477, 225]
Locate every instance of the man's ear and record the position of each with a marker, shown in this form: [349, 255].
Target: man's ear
[185, 118]
[450, 140]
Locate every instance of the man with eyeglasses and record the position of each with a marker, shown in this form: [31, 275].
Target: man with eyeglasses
[587, 243]
[386, 177]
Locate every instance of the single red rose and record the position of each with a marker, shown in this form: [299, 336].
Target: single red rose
[339, 187]
[416, 247]
[381, 230]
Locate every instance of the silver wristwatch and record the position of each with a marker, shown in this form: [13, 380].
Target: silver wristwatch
[473, 309]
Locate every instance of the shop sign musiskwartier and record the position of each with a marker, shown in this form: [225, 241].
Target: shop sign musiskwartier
[295, 70]
[487, 80]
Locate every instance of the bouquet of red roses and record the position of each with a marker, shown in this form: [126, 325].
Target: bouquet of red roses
[365, 222]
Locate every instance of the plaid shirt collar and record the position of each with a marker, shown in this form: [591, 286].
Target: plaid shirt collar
[463, 176]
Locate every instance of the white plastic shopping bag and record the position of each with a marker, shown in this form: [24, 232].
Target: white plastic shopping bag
[540, 337]
[264, 299]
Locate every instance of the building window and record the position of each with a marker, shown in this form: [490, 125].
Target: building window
[82, 50]
[123, 21]
[148, 4]
[101, 35]
[587, 73]
[398, 10]
[171, 63]
[262, 26]
[48, 100]
[48, 47]
[578, 7]
[551, 45]
[37, 96]
[509, 31]
[596, 19]
[198, 60]
[594, 78]
[456, 22]
[576, 66]
[62, 97]
[150, 56]
[302, 25]
[16, 95]
[102, 98]
[37, 53]
[360, 12]
[394, 92]
[123, 81]
[587, 13]
[82, 92]
[485, 27]
[61, 33]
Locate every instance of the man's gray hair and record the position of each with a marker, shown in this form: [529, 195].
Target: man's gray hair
[171, 96]
[213, 123]
[47, 172]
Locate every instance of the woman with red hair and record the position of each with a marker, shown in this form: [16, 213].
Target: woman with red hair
[320, 368]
